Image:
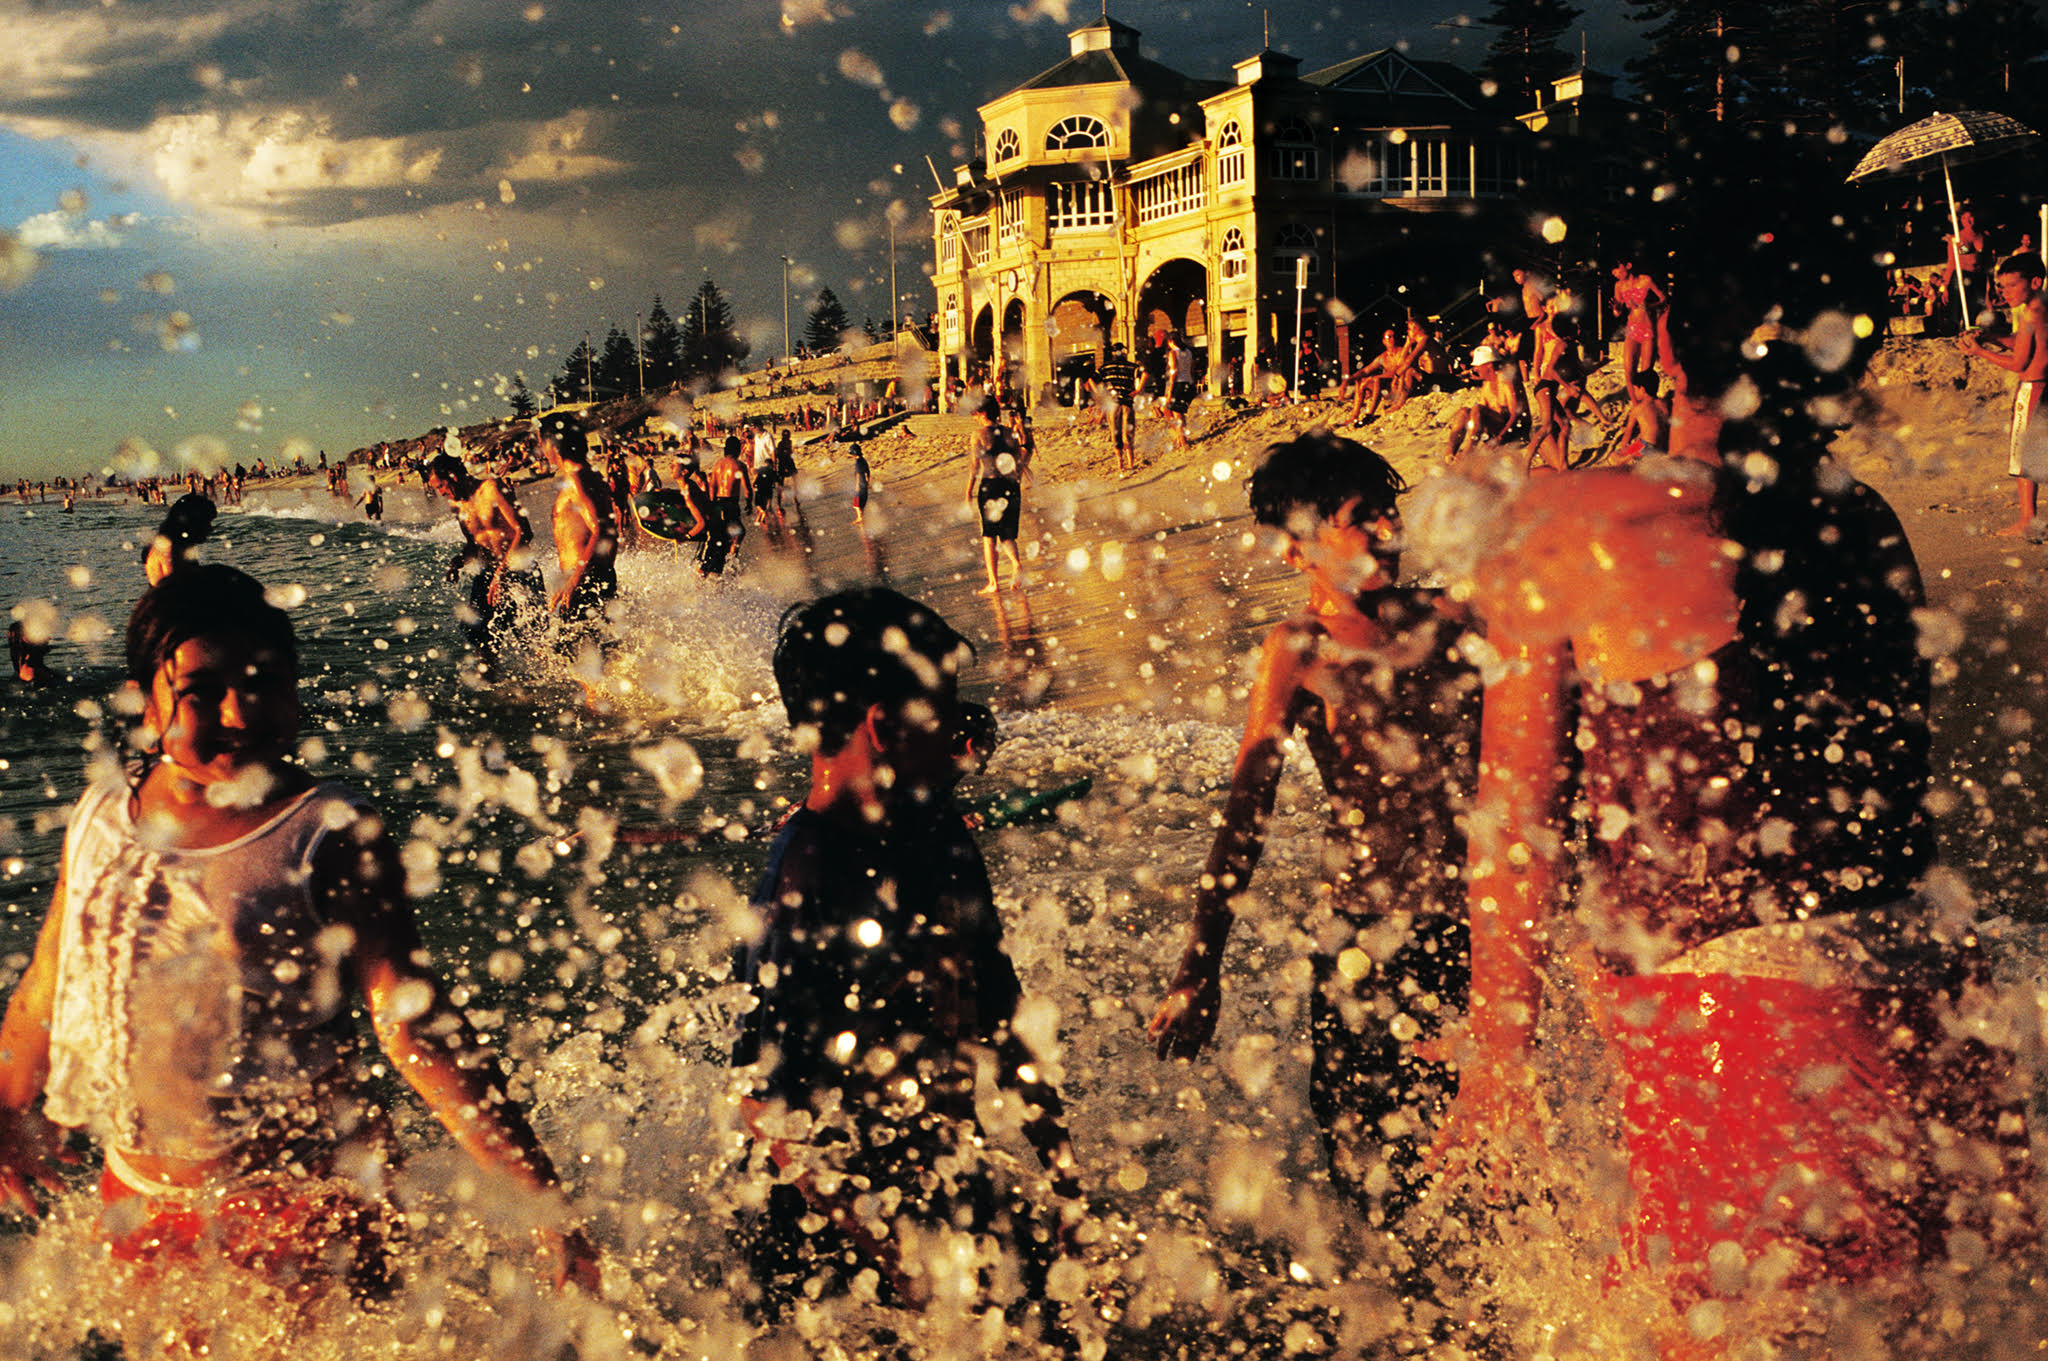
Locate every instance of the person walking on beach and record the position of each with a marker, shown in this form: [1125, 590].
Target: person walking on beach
[586, 536]
[2025, 357]
[1367, 676]
[880, 980]
[505, 586]
[861, 478]
[1180, 393]
[191, 999]
[1117, 380]
[995, 488]
[730, 491]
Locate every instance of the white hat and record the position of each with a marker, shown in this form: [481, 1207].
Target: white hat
[1484, 355]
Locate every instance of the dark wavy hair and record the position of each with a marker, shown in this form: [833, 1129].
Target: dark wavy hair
[1317, 474]
[839, 654]
[203, 600]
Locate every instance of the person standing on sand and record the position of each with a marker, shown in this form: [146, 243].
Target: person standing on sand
[860, 485]
[1117, 380]
[2025, 357]
[586, 535]
[995, 488]
[1366, 676]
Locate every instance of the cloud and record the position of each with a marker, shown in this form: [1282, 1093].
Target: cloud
[68, 231]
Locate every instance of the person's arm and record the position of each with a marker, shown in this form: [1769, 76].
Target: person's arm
[499, 511]
[1515, 849]
[29, 1143]
[429, 1041]
[973, 473]
[1186, 1018]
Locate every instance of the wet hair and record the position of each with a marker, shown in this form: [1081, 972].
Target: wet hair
[449, 469]
[2025, 264]
[208, 599]
[1318, 473]
[733, 447]
[842, 653]
[990, 408]
[569, 436]
[189, 521]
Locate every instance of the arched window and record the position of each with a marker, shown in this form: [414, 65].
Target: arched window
[1294, 152]
[1078, 132]
[1230, 155]
[1008, 147]
[1233, 254]
[949, 242]
[1295, 240]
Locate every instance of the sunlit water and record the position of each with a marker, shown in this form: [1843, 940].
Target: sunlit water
[589, 937]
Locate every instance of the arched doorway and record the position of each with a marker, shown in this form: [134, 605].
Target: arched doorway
[1175, 298]
[1082, 324]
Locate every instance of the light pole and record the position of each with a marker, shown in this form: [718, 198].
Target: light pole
[895, 302]
[785, 309]
[639, 362]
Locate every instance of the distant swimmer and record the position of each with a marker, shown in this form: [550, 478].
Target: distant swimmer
[220, 922]
[586, 535]
[188, 524]
[497, 559]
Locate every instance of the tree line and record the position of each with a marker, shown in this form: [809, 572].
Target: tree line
[670, 351]
[1814, 65]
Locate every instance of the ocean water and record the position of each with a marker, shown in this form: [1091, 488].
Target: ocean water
[581, 884]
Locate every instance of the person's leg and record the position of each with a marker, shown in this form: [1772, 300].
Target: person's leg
[988, 564]
[2028, 496]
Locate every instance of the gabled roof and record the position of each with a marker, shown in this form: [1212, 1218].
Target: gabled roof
[1104, 67]
[1391, 74]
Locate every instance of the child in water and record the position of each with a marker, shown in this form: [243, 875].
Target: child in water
[190, 1001]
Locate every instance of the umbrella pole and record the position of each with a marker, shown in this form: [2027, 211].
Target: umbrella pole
[1955, 245]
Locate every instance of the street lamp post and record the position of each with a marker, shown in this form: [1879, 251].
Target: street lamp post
[785, 309]
[639, 361]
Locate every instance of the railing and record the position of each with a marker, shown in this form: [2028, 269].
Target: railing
[1177, 191]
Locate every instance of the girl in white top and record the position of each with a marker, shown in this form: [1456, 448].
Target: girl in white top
[190, 1000]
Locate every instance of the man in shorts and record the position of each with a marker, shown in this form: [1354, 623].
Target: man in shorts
[497, 556]
[586, 534]
[1117, 381]
[2025, 357]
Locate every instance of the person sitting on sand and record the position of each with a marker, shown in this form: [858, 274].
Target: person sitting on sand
[2025, 357]
[190, 1000]
[1367, 677]
[1370, 383]
[1500, 414]
[188, 524]
[880, 980]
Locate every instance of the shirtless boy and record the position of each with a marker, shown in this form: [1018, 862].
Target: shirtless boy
[1365, 677]
[497, 555]
[2025, 356]
[731, 488]
[586, 529]
[1373, 380]
[1500, 409]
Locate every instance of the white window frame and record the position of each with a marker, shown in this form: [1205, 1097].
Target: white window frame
[1232, 253]
[1009, 217]
[949, 242]
[1081, 205]
[1230, 156]
[1077, 132]
[1008, 145]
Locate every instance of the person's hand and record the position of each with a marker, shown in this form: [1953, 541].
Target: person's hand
[1186, 1019]
[567, 1259]
[31, 1149]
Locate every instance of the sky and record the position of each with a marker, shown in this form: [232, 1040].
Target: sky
[269, 228]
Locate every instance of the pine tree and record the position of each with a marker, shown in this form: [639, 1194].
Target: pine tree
[661, 348]
[1525, 55]
[1970, 54]
[711, 344]
[578, 372]
[524, 404]
[826, 324]
[618, 366]
[871, 330]
[1754, 64]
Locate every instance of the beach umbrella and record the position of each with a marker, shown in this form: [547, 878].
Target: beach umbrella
[1950, 138]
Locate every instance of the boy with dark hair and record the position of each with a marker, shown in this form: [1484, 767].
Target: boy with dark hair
[2025, 357]
[1368, 677]
[879, 974]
